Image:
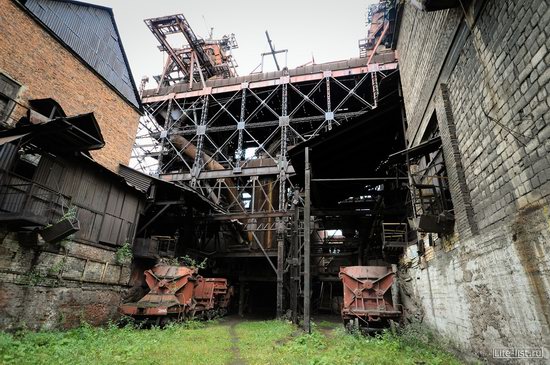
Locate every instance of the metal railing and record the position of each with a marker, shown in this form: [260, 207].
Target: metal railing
[26, 201]
[395, 235]
[430, 194]
[156, 246]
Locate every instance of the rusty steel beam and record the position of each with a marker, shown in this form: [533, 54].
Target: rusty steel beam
[378, 42]
[154, 218]
[243, 216]
[264, 252]
[222, 174]
[271, 82]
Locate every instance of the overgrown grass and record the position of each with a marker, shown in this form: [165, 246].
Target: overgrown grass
[265, 342]
[176, 344]
[280, 344]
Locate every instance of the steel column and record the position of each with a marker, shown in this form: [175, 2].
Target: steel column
[282, 201]
[200, 140]
[280, 273]
[295, 262]
[307, 242]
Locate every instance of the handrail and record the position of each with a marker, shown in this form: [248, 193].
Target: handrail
[29, 181]
[20, 195]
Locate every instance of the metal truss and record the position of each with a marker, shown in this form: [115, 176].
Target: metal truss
[199, 59]
[232, 146]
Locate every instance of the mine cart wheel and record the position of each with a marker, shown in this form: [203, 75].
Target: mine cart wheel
[166, 321]
[369, 331]
[352, 325]
[158, 321]
[393, 326]
[348, 325]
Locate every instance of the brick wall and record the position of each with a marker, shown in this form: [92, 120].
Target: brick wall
[499, 95]
[46, 69]
[466, 224]
[423, 43]
[491, 289]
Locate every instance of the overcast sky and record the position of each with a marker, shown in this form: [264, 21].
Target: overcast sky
[329, 30]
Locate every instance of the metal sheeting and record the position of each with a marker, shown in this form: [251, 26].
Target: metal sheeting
[8, 154]
[135, 178]
[107, 208]
[89, 31]
[142, 182]
[78, 133]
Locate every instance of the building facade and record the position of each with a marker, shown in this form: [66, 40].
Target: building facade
[70, 52]
[476, 75]
[69, 112]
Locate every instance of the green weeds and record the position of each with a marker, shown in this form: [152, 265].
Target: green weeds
[124, 254]
[175, 344]
[281, 343]
[193, 342]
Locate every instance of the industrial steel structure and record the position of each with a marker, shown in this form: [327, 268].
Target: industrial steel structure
[229, 138]
[199, 59]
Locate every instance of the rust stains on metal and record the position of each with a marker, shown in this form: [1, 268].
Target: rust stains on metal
[369, 296]
[178, 292]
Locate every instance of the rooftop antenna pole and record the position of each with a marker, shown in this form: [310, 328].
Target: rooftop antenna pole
[272, 51]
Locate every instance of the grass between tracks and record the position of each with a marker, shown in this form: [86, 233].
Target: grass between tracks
[259, 342]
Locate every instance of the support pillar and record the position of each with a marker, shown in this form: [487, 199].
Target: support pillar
[280, 273]
[307, 241]
[241, 298]
[295, 261]
[164, 137]
[466, 224]
[281, 227]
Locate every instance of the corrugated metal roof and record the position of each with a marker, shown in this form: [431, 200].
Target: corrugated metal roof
[141, 182]
[8, 153]
[91, 32]
[135, 178]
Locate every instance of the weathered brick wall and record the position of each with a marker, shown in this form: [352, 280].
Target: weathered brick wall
[46, 69]
[423, 42]
[465, 223]
[53, 286]
[490, 290]
[499, 95]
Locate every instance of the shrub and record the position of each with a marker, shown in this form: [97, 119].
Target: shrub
[124, 254]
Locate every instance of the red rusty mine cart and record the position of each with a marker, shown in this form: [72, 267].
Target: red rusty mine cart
[370, 297]
[178, 293]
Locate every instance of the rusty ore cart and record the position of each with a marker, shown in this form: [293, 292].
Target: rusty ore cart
[370, 297]
[179, 293]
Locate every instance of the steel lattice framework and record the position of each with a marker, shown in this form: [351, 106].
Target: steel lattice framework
[229, 140]
[226, 140]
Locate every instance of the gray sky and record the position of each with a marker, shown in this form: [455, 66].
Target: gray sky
[329, 30]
